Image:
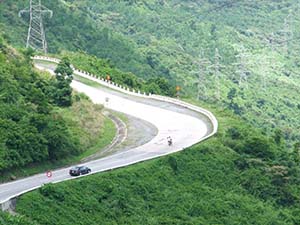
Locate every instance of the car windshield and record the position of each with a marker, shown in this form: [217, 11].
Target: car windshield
[75, 168]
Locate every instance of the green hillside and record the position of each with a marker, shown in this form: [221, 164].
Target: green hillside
[102, 68]
[35, 133]
[238, 58]
[6, 219]
[240, 55]
[238, 177]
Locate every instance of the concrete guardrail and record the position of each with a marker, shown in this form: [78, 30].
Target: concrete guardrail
[125, 90]
[9, 203]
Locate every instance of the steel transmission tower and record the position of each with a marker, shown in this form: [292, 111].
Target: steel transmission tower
[217, 76]
[287, 33]
[203, 65]
[36, 38]
[242, 67]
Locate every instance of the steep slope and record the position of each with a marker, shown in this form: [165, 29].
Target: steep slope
[33, 129]
[254, 71]
[71, 29]
[6, 219]
[236, 177]
[242, 176]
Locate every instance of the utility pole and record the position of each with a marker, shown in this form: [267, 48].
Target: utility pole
[202, 64]
[201, 72]
[36, 38]
[286, 33]
[271, 42]
[242, 61]
[217, 75]
[264, 65]
[263, 80]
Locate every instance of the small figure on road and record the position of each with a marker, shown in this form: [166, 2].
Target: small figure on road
[106, 101]
[169, 139]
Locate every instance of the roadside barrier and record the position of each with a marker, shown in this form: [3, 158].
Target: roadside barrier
[9, 203]
[137, 93]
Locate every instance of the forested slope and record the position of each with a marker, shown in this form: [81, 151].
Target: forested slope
[240, 176]
[35, 124]
[102, 68]
[29, 132]
[6, 219]
[241, 55]
[238, 54]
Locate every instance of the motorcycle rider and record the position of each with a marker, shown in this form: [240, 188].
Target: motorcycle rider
[169, 139]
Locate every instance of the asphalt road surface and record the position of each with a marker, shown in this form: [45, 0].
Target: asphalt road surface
[184, 129]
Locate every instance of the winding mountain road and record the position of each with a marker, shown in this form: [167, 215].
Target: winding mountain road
[185, 129]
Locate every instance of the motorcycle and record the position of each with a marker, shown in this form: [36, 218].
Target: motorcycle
[169, 141]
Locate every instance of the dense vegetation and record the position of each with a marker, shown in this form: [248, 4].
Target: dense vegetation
[238, 54]
[238, 177]
[241, 55]
[6, 219]
[29, 131]
[33, 129]
[64, 77]
[102, 68]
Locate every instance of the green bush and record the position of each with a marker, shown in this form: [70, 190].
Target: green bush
[102, 68]
[30, 131]
[209, 183]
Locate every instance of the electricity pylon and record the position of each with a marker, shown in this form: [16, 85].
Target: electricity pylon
[242, 67]
[271, 40]
[36, 38]
[217, 74]
[202, 73]
[286, 34]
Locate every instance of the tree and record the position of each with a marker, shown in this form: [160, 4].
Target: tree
[278, 136]
[64, 72]
[259, 146]
[60, 142]
[231, 94]
[296, 152]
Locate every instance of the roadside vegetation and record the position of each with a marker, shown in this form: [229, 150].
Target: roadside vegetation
[239, 55]
[238, 58]
[240, 176]
[42, 124]
[103, 69]
[7, 219]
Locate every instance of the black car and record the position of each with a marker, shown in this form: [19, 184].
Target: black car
[79, 170]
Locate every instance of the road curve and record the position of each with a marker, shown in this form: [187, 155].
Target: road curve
[184, 129]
